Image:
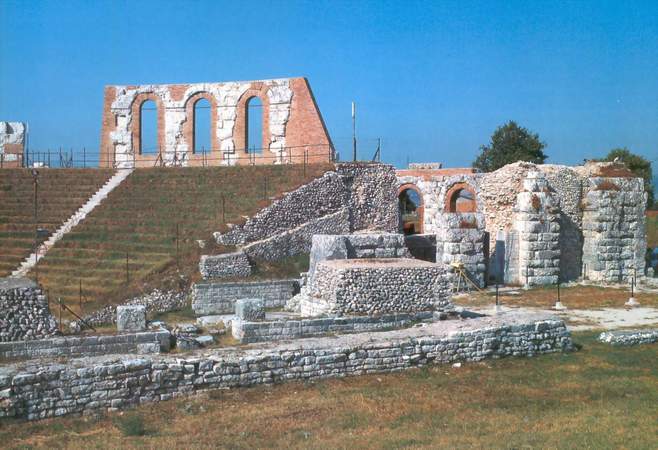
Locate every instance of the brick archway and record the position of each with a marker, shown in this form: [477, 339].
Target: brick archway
[240, 131]
[136, 125]
[456, 201]
[412, 227]
[188, 126]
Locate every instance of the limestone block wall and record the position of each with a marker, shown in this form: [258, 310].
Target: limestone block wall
[142, 342]
[90, 385]
[538, 227]
[12, 143]
[24, 311]
[293, 129]
[220, 298]
[614, 229]
[460, 239]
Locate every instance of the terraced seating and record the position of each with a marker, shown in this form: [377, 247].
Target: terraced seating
[60, 193]
[140, 220]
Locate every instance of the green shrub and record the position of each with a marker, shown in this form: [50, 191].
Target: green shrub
[131, 425]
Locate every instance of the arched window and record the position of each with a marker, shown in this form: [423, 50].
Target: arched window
[148, 132]
[202, 133]
[254, 125]
[462, 200]
[411, 210]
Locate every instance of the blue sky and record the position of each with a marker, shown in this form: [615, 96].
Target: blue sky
[432, 79]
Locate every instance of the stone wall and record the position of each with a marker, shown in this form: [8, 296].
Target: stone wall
[12, 144]
[629, 337]
[376, 286]
[224, 266]
[89, 385]
[614, 229]
[538, 228]
[460, 240]
[24, 311]
[293, 129]
[298, 240]
[143, 342]
[220, 298]
[267, 331]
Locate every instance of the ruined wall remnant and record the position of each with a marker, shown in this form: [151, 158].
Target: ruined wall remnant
[538, 228]
[614, 229]
[24, 311]
[293, 129]
[12, 143]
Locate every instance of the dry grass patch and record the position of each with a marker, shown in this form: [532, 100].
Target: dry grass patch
[599, 397]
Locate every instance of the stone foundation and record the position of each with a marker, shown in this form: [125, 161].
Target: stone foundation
[88, 385]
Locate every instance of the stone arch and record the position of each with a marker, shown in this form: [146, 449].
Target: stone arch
[414, 222]
[188, 127]
[460, 197]
[240, 131]
[136, 125]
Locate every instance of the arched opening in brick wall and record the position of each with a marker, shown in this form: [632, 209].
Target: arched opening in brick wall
[202, 135]
[461, 198]
[411, 206]
[254, 124]
[148, 128]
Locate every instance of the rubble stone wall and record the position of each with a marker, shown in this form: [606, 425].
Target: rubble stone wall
[24, 311]
[460, 239]
[224, 266]
[90, 385]
[220, 298]
[378, 286]
[293, 129]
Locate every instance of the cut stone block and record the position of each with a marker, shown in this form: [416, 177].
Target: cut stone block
[131, 318]
[250, 309]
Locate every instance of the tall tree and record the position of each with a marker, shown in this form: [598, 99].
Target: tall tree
[637, 164]
[510, 143]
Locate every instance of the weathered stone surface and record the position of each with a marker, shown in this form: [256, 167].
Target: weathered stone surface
[250, 309]
[219, 298]
[226, 265]
[629, 337]
[131, 318]
[89, 385]
[24, 311]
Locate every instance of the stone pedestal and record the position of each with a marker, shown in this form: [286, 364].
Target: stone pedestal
[131, 318]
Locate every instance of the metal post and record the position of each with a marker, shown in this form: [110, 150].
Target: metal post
[354, 131]
[223, 209]
[59, 300]
[80, 299]
[632, 288]
[127, 271]
[497, 302]
[84, 157]
[35, 177]
[177, 239]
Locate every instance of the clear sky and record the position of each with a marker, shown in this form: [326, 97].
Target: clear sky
[432, 79]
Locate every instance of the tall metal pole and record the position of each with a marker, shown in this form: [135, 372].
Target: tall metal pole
[353, 131]
[35, 176]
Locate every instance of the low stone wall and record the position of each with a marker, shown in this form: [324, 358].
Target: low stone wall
[276, 330]
[220, 298]
[143, 342]
[24, 311]
[298, 240]
[376, 286]
[460, 239]
[88, 385]
[226, 265]
[629, 337]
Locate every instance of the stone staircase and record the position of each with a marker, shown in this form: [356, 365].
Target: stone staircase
[72, 221]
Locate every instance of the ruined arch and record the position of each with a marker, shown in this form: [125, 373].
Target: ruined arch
[412, 209]
[188, 127]
[136, 111]
[241, 129]
[460, 198]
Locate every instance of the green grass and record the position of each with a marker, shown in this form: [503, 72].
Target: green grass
[143, 217]
[598, 397]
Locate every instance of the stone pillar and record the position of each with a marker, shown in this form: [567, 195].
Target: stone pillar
[460, 240]
[614, 230]
[538, 227]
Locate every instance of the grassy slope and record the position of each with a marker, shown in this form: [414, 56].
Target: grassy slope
[140, 218]
[60, 193]
[599, 397]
